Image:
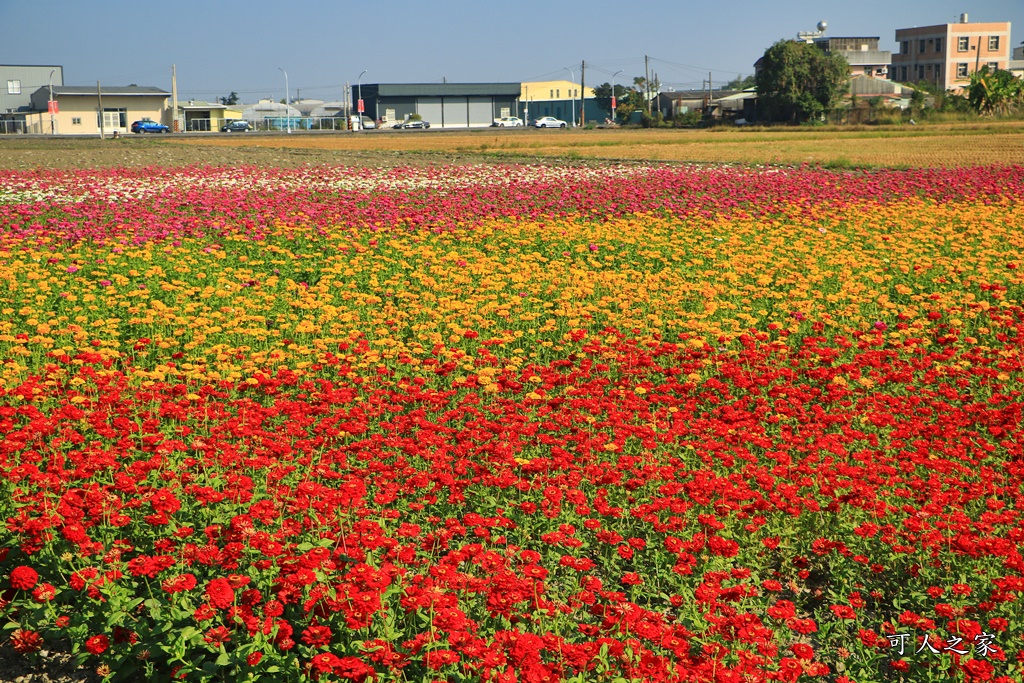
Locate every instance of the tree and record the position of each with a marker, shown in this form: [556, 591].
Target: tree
[230, 99]
[994, 91]
[799, 81]
[740, 83]
[623, 95]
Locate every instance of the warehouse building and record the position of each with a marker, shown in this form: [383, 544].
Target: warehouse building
[444, 105]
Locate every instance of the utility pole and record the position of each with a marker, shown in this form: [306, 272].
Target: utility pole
[647, 85]
[99, 96]
[174, 98]
[583, 85]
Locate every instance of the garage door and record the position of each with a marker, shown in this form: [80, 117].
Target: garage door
[455, 112]
[430, 109]
[481, 112]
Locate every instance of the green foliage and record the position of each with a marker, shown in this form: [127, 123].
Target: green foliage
[995, 91]
[799, 82]
[690, 119]
[741, 83]
[603, 96]
[230, 99]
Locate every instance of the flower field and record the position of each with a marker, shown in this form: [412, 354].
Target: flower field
[504, 423]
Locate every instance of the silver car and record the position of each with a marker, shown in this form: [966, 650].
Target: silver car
[549, 122]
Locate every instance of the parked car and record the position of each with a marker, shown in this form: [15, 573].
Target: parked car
[549, 122]
[413, 124]
[508, 122]
[367, 122]
[236, 127]
[149, 126]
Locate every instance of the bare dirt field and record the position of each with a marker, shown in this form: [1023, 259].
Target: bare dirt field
[945, 145]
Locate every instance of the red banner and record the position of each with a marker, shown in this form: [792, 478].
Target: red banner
[359, 107]
[52, 107]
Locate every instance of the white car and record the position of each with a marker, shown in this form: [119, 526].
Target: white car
[549, 122]
[508, 122]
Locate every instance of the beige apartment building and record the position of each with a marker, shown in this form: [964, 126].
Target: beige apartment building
[946, 55]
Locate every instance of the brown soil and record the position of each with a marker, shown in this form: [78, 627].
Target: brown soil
[46, 666]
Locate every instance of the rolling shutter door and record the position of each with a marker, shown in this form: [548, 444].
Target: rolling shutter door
[481, 112]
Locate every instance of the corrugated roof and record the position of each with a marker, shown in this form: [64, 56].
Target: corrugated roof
[446, 89]
[71, 90]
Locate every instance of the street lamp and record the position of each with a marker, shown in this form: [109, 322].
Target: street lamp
[613, 93]
[359, 105]
[572, 79]
[288, 118]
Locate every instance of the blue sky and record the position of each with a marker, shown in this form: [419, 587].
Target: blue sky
[221, 46]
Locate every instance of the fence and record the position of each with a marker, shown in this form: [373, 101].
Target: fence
[272, 123]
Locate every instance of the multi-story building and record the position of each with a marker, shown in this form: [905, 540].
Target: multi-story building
[862, 54]
[946, 55]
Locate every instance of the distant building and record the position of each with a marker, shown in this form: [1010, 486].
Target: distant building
[80, 111]
[270, 115]
[17, 83]
[713, 103]
[945, 55]
[443, 105]
[201, 116]
[560, 99]
[1016, 66]
[862, 54]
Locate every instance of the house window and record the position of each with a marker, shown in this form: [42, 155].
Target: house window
[905, 47]
[961, 70]
[867, 71]
[558, 93]
[920, 46]
[551, 94]
[903, 74]
[993, 43]
[962, 44]
[14, 87]
[920, 70]
[938, 44]
[76, 121]
[992, 66]
[112, 118]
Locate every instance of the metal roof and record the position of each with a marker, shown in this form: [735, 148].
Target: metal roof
[90, 90]
[445, 89]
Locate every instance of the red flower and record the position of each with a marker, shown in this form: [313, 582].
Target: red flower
[24, 578]
[802, 651]
[843, 612]
[44, 592]
[97, 644]
[217, 636]
[316, 636]
[324, 663]
[254, 658]
[220, 593]
[25, 641]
